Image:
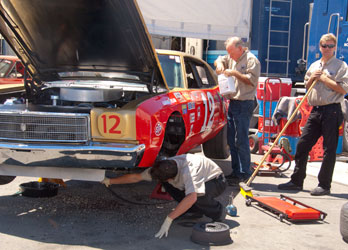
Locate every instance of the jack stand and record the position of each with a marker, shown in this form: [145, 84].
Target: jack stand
[58, 181]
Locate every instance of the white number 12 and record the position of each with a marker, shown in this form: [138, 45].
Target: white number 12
[209, 107]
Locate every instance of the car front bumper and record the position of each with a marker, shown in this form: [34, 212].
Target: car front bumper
[109, 156]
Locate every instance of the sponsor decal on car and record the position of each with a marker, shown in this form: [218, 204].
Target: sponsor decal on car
[179, 96]
[191, 105]
[184, 109]
[158, 129]
[167, 101]
[192, 118]
[186, 95]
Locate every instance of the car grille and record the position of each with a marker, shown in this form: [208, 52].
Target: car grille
[31, 126]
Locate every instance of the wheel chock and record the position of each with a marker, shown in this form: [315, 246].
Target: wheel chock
[157, 193]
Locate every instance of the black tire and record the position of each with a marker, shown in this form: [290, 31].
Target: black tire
[217, 147]
[211, 234]
[253, 144]
[39, 189]
[281, 217]
[4, 179]
[344, 222]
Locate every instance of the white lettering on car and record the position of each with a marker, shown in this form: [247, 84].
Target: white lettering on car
[209, 107]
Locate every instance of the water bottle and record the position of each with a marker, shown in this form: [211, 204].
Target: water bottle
[230, 208]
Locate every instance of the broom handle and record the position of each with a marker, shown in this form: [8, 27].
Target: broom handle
[281, 133]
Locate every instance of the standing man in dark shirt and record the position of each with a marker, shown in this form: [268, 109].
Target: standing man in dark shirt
[241, 64]
[325, 118]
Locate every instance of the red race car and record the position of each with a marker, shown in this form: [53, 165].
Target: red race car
[99, 97]
[11, 78]
[11, 70]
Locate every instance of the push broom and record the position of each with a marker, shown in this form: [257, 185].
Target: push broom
[245, 188]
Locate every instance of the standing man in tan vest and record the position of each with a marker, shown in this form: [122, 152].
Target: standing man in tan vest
[241, 64]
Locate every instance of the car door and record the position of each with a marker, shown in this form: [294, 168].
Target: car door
[204, 111]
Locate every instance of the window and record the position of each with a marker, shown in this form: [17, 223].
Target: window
[171, 66]
[198, 75]
[203, 75]
[5, 65]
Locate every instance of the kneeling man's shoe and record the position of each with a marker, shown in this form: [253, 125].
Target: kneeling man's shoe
[290, 186]
[233, 182]
[320, 191]
[231, 176]
[222, 216]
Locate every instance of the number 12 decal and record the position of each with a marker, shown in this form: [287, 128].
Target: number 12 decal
[209, 107]
[116, 121]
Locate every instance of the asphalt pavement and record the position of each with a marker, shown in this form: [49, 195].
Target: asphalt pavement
[257, 228]
[86, 215]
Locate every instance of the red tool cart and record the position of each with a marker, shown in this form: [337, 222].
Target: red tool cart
[268, 93]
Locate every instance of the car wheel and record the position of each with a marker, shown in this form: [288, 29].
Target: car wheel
[217, 147]
[211, 234]
[253, 144]
[4, 179]
[344, 222]
[174, 135]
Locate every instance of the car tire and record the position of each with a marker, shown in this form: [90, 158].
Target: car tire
[253, 144]
[4, 179]
[211, 234]
[217, 147]
[344, 222]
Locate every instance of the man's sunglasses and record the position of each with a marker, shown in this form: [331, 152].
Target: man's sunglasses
[330, 46]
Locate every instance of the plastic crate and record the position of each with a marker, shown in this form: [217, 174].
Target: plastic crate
[292, 130]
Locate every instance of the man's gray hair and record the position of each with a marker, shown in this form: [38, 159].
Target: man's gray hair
[237, 41]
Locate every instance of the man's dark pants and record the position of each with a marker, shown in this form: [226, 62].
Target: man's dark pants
[323, 121]
[239, 115]
[206, 204]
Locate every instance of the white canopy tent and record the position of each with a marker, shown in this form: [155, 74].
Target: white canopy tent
[205, 19]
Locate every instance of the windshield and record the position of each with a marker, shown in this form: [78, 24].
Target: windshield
[171, 67]
[5, 65]
[93, 74]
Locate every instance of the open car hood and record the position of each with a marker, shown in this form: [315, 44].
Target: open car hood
[79, 35]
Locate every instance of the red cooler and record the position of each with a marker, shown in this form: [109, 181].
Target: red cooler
[274, 88]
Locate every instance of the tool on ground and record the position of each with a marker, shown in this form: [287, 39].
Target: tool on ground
[245, 188]
[230, 208]
[160, 193]
[287, 208]
[57, 181]
[277, 162]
